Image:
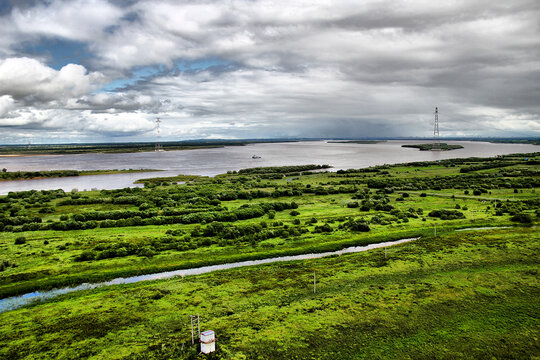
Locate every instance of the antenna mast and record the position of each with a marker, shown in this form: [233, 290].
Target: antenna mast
[195, 324]
[158, 130]
[437, 139]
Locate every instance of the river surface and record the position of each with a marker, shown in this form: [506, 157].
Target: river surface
[211, 162]
[15, 302]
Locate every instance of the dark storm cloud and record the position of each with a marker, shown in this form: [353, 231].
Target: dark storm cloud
[261, 68]
[123, 102]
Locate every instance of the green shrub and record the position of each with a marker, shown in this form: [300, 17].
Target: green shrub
[86, 255]
[522, 218]
[4, 264]
[323, 228]
[20, 240]
[358, 225]
[447, 214]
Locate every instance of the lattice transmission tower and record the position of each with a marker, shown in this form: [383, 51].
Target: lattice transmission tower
[436, 135]
[158, 131]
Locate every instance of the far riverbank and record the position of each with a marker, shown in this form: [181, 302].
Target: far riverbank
[211, 162]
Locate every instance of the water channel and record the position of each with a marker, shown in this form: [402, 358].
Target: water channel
[12, 303]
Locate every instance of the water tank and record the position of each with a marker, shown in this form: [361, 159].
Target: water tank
[208, 341]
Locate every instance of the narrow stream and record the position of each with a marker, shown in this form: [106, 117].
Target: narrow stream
[484, 228]
[15, 302]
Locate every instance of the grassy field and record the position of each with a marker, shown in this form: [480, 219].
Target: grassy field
[467, 294]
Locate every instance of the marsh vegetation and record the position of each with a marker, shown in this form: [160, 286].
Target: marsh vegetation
[416, 300]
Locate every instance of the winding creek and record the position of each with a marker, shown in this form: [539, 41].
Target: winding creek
[15, 302]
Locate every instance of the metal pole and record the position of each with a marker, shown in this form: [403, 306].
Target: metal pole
[194, 318]
[385, 253]
[314, 283]
[192, 337]
[435, 229]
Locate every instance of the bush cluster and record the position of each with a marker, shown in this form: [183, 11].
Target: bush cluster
[447, 214]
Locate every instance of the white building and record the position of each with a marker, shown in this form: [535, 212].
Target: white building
[208, 341]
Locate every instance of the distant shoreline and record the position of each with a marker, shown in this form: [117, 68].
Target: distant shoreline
[29, 175]
[122, 148]
[24, 155]
[368, 142]
[69, 151]
[433, 147]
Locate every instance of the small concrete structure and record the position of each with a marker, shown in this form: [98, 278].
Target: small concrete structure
[208, 341]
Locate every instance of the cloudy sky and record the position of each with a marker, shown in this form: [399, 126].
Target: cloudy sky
[98, 70]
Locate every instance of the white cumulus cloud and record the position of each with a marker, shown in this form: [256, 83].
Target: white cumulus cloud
[29, 80]
[6, 105]
[69, 19]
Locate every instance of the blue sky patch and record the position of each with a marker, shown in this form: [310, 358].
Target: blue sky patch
[204, 64]
[58, 52]
[145, 73]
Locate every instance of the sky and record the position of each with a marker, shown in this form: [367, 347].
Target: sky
[103, 71]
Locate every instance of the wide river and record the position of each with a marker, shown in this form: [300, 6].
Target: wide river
[215, 161]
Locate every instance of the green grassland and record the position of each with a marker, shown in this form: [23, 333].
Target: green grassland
[466, 294]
